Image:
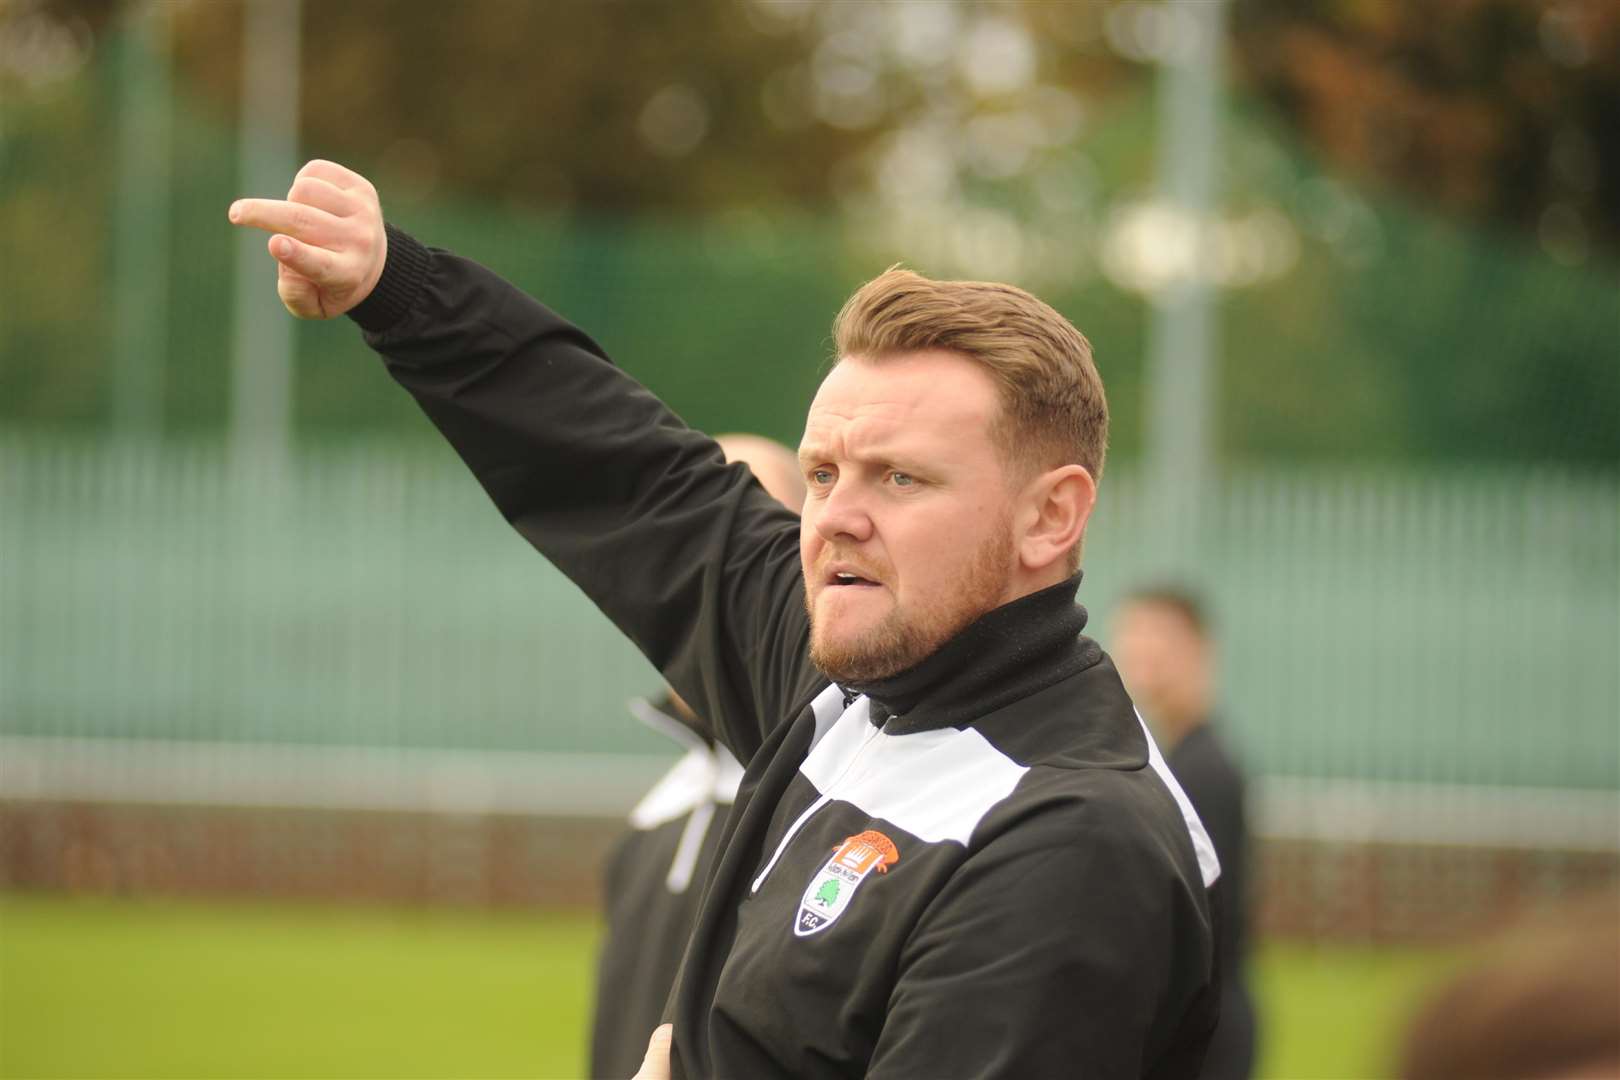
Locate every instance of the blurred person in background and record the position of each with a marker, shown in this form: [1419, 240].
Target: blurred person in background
[956, 849]
[655, 874]
[1541, 1001]
[1166, 656]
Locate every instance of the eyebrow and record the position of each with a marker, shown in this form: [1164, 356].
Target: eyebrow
[813, 453]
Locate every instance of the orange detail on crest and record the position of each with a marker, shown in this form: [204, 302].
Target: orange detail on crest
[870, 850]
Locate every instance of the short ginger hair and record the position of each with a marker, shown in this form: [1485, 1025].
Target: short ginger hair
[1053, 411]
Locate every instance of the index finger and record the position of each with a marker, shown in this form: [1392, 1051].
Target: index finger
[280, 216]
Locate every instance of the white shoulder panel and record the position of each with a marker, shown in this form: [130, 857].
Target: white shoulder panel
[1208, 864]
[936, 785]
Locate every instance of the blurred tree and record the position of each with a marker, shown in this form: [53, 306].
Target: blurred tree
[1499, 111]
[776, 151]
[606, 108]
[1494, 110]
[616, 109]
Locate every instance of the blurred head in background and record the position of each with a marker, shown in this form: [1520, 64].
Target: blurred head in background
[777, 470]
[774, 465]
[1162, 646]
[1542, 1002]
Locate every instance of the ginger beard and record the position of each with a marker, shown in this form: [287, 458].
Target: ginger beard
[911, 632]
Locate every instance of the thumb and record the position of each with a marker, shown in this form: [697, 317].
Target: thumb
[655, 1066]
[298, 294]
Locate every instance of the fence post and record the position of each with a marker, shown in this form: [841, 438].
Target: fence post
[262, 357]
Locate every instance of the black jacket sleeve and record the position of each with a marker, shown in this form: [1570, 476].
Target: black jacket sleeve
[1009, 974]
[687, 555]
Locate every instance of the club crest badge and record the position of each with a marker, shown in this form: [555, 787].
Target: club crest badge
[833, 886]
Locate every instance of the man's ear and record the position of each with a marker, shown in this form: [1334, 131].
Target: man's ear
[1057, 506]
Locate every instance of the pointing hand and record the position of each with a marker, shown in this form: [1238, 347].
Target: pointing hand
[327, 239]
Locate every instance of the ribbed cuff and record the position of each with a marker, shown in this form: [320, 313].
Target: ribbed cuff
[395, 292]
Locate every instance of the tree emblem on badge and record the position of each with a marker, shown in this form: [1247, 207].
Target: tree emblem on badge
[831, 889]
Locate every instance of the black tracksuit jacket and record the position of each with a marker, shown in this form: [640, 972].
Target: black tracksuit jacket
[979, 867]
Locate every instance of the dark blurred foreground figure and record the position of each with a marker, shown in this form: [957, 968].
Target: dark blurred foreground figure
[956, 851]
[1541, 1002]
[1166, 656]
[655, 874]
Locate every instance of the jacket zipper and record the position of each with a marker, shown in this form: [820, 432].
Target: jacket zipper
[821, 801]
[798, 823]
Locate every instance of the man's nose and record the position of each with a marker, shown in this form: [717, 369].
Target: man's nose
[843, 514]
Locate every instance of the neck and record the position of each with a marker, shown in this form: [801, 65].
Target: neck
[1027, 583]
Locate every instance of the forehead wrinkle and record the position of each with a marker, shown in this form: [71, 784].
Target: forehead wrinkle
[831, 424]
[929, 409]
[868, 439]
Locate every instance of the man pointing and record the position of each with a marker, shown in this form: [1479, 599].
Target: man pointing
[955, 851]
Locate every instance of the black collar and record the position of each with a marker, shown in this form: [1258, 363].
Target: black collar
[1016, 650]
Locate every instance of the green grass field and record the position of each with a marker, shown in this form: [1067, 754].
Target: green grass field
[108, 988]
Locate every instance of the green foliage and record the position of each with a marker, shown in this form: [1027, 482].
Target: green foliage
[539, 105]
[713, 275]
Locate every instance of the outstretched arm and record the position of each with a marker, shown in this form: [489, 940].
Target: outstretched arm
[687, 555]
